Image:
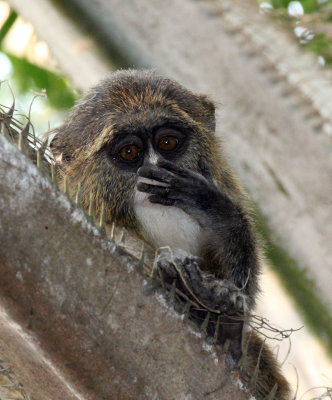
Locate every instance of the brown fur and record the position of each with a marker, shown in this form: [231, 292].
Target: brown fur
[139, 100]
[91, 124]
[260, 370]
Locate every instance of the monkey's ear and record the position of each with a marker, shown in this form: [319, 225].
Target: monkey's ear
[207, 116]
[60, 154]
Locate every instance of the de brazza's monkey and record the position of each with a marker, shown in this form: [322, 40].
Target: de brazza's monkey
[146, 148]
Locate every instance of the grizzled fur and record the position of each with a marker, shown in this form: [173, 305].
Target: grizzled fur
[134, 100]
[197, 183]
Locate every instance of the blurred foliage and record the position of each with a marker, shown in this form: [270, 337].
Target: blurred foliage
[7, 25]
[321, 45]
[25, 79]
[303, 289]
[316, 21]
[308, 5]
[28, 76]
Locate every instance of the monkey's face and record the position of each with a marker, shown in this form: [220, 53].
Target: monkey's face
[131, 120]
[130, 150]
[145, 146]
[144, 138]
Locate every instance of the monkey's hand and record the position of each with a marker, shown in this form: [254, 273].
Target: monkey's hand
[196, 194]
[215, 295]
[220, 300]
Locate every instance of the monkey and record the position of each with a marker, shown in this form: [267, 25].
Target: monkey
[146, 148]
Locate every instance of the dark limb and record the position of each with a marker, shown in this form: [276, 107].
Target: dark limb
[216, 306]
[230, 248]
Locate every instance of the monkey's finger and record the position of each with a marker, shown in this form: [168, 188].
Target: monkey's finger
[183, 177]
[166, 193]
[156, 174]
[153, 189]
[161, 200]
[205, 169]
[175, 169]
[171, 199]
[169, 196]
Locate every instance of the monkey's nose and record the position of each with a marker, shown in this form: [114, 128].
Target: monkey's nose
[151, 163]
[148, 163]
[151, 157]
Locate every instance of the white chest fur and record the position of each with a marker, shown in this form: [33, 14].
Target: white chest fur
[162, 225]
[167, 226]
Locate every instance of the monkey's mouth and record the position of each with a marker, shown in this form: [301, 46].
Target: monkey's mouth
[142, 198]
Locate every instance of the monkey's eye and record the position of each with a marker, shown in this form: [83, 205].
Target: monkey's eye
[130, 152]
[168, 143]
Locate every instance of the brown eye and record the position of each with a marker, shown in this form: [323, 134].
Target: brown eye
[168, 143]
[129, 152]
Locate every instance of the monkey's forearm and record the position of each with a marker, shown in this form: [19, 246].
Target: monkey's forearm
[231, 245]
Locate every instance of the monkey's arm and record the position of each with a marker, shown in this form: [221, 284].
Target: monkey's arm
[229, 242]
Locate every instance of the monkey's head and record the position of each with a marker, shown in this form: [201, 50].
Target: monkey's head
[130, 119]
